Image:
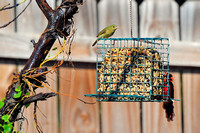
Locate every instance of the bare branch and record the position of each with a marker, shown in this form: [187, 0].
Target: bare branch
[38, 97]
[46, 9]
[59, 25]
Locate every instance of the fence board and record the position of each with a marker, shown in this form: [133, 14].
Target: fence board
[15, 47]
[154, 120]
[86, 29]
[120, 117]
[159, 18]
[85, 20]
[190, 21]
[191, 91]
[47, 114]
[49, 121]
[86, 24]
[77, 117]
[32, 21]
[6, 16]
[6, 76]
[184, 53]
[117, 12]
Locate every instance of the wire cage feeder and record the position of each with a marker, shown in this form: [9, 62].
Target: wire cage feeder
[132, 69]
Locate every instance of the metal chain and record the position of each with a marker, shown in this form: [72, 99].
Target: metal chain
[131, 18]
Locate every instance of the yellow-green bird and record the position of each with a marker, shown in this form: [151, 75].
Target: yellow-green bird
[106, 32]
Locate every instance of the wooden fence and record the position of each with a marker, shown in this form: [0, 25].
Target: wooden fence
[63, 114]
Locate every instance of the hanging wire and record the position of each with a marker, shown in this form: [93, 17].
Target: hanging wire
[131, 18]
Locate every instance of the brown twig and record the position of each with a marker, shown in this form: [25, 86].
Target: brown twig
[38, 97]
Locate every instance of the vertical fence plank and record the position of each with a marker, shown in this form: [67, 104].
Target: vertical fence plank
[46, 112]
[120, 117]
[85, 23]
[85, 19]
[76, 116]
[6, 16]
[190, 22]
[6, 75]
[49, 120]
[191, 91]
[159, 18]
[117, 12]
[32, 21]
[154, 120]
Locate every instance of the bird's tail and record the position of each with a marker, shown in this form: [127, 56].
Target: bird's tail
[94, 43]
[169, 109]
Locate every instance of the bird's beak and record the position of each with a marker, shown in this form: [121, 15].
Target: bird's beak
[116, 27]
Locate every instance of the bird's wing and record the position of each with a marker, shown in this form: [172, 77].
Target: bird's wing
[102, 32]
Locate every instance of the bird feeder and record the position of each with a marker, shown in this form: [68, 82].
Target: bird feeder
[132, 69]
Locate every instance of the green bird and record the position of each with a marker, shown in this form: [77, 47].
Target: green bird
[106, 32]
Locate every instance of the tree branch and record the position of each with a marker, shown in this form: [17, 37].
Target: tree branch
[61, 21]
[59, 24]
[38, 97]
[46, 9]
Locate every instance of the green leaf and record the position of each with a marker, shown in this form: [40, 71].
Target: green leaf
[27, 93]
[3, 99]
[27, 105]
[54, 48]
[1, 102]
[18, 94]
[18, 89]
[5, 118]
[8, 128]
